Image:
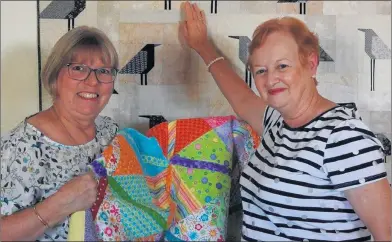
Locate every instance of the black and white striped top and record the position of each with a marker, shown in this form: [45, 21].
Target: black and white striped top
[292, 188]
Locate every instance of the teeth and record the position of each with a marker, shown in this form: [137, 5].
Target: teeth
[88, 95]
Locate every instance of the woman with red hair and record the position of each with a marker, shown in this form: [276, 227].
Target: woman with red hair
[319, 173]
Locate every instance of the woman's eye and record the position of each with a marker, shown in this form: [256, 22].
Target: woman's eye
[104, 71]
[261, 71]
[78, 68]
[282, 66]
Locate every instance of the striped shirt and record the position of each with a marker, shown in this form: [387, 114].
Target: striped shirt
[292, 188]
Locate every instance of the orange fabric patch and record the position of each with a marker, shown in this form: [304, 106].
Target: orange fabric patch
[188, 131]
[107, 153]
[128, 163]
[161, 134]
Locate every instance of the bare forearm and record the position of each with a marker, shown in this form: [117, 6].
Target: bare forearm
[25, 225]
[243, 100]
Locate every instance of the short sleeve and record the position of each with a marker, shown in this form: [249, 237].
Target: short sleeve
[15, 193]
[353, 156]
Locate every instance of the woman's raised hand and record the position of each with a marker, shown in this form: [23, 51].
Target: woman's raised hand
[193, 29]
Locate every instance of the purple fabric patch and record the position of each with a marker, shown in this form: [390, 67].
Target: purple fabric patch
[177, 160]
[225, 133]
[90, 233]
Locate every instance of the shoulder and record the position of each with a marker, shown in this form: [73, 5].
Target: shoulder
[350, 134]
[12, 138]
[342, 117]
[346, 122]
[106, 125]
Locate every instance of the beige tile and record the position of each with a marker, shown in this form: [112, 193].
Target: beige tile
[287, 8]
[258, 7]
[122, 107]
[314, 7]
[340, 7]
[146, 33]
[108, 20]
[217, 104]
[129, 7]
[175, 65]
[383, 7]
[380, 122]
[365, 115]
[170, 33]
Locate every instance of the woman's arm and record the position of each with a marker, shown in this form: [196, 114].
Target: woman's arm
[78, 194]
[25, 225]
[247, 105]
[372, 203]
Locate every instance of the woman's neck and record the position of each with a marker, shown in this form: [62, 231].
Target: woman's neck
[311, 105]
[78, 130]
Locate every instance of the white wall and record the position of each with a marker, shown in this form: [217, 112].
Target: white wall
[19, 72]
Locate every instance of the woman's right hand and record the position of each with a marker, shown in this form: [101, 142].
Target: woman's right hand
[79, 193]
[193, 31]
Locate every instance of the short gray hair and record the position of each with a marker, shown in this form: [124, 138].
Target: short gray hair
[79, 38]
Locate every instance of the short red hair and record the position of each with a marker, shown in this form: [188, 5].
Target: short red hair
[306, 40]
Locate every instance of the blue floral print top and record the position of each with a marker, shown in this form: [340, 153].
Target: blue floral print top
[33, 167]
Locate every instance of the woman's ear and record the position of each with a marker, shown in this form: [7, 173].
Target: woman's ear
[313, 62]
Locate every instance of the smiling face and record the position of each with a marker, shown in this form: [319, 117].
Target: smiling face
[279, 75]
[84, 98]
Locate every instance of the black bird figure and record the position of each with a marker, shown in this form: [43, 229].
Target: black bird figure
[375, 48]
[243, 54]
[64, 10]
[154, 119]
[141, 63]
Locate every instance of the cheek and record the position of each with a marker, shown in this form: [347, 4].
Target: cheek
[291, 79]
[260, 84]
[107, 89]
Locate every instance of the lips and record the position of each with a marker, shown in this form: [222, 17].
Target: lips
[276, 91]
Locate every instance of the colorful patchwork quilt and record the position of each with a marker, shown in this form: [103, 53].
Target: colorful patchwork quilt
[172, 184]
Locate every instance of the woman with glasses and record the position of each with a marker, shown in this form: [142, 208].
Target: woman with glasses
[44, 158]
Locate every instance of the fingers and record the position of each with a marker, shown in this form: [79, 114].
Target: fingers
[195, 12]
[187, 7]
[203, 16]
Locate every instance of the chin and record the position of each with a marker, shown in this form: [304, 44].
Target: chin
[89, 112]
[276, 101]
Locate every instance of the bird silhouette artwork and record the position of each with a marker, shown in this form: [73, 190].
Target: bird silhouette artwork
[302, 4]
[243, 54]
[167, 4]
[141, 63]
[324, 55]
[214, 6]
[375, 48]
[154, 119]
[64, 10]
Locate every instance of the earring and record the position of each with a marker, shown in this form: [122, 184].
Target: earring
[314, 76]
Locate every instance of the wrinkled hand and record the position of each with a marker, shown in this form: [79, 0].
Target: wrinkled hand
[193, 30]
[79, 193]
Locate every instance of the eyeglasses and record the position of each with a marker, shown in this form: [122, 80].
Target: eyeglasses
[81, 72]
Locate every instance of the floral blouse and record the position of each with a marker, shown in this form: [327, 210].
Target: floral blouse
[33, 167]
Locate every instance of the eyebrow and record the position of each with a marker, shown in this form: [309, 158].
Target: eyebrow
[258, 66]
